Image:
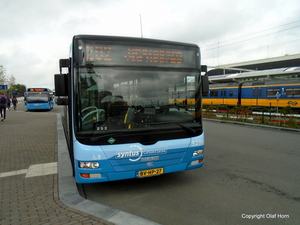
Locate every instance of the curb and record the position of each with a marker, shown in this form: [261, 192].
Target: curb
[69, 195]
[254, 125]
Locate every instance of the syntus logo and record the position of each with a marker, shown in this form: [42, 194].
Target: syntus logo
[136, 152]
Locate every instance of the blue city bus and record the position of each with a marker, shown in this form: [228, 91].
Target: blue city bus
[118, 119]
[37, 99]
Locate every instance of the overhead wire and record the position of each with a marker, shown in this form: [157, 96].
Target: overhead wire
[219, 46]
[259, 48]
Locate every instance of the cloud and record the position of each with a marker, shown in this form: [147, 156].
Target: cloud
[23, 63]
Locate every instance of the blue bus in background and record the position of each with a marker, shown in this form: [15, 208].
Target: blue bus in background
[118, 119]
[38, 99]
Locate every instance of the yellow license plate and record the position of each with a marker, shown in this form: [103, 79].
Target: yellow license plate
[38, 107]
[153, 172]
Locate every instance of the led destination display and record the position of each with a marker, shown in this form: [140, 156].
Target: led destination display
[37, 89]
[144, 56]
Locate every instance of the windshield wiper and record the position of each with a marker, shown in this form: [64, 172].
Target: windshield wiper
[93, 139]
[189, 129]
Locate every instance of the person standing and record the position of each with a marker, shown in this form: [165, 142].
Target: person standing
[14, 102]
[3, 105]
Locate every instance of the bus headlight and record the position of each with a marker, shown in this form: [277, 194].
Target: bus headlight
[198, 152]
[89, 165]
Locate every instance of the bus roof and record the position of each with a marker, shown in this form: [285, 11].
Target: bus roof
[131, 39]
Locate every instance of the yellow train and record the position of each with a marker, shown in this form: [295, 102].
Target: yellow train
[270, 88]
[255, 94]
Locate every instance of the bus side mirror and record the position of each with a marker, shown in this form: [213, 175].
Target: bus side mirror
[61, 88]
[205, 85]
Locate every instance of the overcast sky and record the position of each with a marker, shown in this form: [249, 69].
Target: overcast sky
[35, 34]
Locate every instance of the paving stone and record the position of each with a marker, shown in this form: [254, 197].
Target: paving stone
[28, 172]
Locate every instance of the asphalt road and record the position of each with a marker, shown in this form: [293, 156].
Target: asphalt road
[250, 176]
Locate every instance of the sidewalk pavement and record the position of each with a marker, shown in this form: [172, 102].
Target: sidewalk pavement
[36, 182]
[28, 172]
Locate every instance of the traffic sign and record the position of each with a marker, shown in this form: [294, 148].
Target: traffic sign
[3, 87]
[278, 95]
[13, 92]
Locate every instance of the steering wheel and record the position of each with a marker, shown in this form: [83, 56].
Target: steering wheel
[95, 111]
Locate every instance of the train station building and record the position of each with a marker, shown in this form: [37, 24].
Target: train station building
[255, 65]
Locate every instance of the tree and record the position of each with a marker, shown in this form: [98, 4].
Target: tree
[2, 75]
[4, 79]
[11, 80]
[19, 88]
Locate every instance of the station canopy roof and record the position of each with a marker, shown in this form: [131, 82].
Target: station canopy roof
[261, 64]
[271, 67]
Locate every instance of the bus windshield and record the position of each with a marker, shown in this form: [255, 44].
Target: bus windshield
[37, 97]
[124, 100]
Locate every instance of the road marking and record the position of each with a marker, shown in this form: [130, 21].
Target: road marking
[41, 169]
[13, 173]
[34, 170]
